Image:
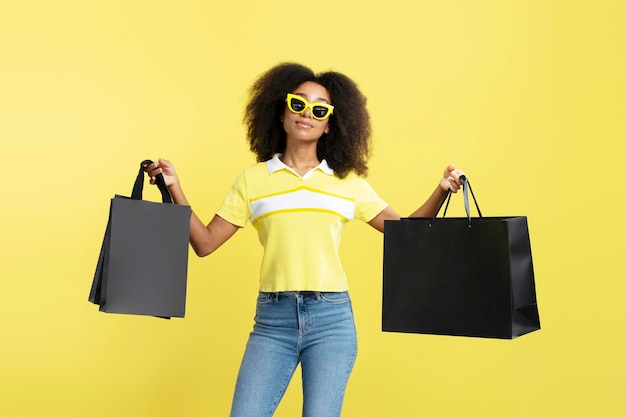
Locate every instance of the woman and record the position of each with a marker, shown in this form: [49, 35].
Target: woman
[311, 135]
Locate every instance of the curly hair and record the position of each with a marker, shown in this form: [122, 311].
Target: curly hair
[346, 147]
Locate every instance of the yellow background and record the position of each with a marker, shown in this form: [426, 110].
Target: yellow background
[526, 96]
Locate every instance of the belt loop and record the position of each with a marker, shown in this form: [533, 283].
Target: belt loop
[318, 295]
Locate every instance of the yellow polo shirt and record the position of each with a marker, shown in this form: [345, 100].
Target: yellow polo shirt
[299, 221]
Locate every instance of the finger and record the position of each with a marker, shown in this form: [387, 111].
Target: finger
[453, 185]
[153, 170]
[454, 175]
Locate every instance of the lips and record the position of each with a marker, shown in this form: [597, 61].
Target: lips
[304, 124]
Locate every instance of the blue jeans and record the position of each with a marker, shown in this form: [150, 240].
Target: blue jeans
[315, 329]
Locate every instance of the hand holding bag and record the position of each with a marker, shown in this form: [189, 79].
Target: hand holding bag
[459, 276]
[142, 267]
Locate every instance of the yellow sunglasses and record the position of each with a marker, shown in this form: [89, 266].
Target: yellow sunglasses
[319, 111]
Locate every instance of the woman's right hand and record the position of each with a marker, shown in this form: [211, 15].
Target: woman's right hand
[164, 167]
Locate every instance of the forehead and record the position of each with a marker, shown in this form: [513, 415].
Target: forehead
[312, 91]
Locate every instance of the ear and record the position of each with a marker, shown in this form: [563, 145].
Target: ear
[327, 129]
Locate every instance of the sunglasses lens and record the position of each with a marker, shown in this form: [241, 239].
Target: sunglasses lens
[319, 111]
[296, 105]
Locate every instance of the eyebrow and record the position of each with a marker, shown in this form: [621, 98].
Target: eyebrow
[319, 100]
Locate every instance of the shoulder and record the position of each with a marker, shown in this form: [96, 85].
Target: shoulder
[350, 178]
[253, 171]
[355, 180]
[256, 168]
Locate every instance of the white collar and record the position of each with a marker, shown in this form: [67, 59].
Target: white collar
[276, 164]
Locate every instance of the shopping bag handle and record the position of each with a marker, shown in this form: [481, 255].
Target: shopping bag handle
[137, 193]
[446, 198]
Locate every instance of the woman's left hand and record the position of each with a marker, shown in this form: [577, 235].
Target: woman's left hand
[451, 179]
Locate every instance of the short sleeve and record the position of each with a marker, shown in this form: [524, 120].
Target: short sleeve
[367, 204]
[235, 208]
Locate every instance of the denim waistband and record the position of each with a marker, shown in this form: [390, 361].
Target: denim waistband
[305, 294]
[315, 294]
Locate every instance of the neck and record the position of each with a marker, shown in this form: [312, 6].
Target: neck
[301, 158]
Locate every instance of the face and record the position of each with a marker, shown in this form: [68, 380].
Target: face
[303, 126]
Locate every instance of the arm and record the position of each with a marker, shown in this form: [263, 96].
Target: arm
[204, 239]
[450, 181]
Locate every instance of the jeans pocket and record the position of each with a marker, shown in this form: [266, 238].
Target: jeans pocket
[335, 297]
[265, 298]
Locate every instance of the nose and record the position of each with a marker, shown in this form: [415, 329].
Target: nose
[307, 112]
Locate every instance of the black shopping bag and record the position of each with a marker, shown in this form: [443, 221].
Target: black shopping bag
[142, 267]
[459, 276]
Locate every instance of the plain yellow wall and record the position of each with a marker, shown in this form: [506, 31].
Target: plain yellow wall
[526, 96]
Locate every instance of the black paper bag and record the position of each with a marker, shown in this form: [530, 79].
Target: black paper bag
[459, 276]
[142, 267]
